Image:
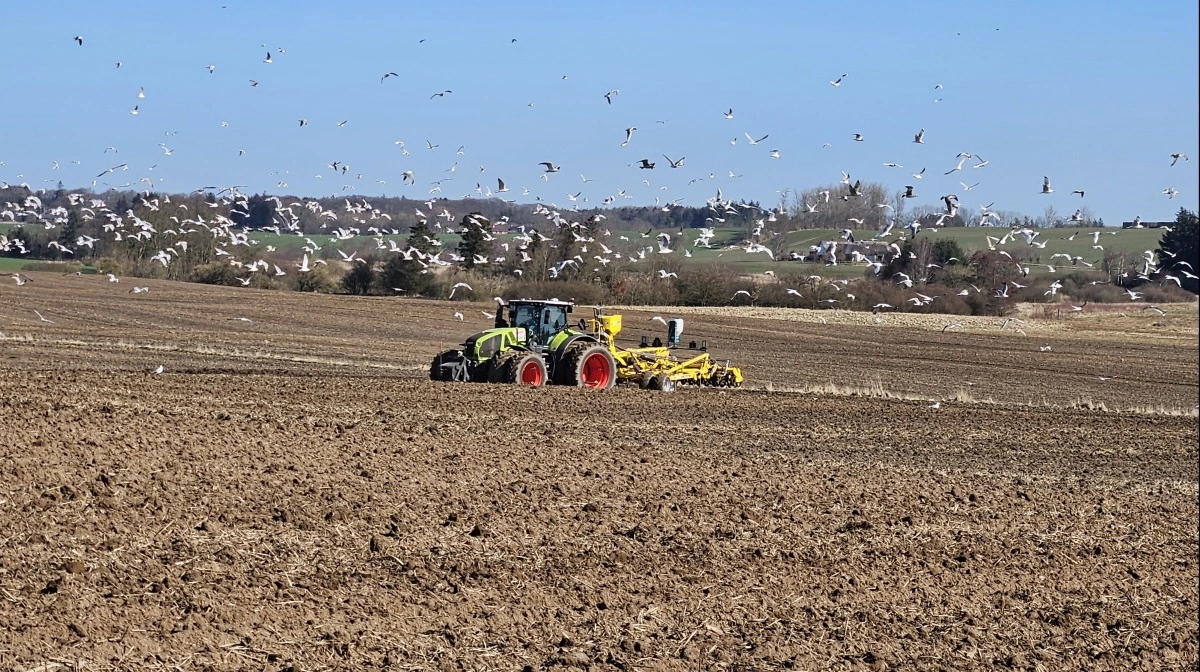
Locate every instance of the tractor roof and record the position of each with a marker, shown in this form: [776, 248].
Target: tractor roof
[547, 302]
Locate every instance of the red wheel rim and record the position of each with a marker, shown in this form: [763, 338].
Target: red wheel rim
[531, 374]
[596, 371]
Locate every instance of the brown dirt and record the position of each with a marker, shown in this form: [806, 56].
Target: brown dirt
[292, 493]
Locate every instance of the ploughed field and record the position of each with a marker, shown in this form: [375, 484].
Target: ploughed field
[293, 493]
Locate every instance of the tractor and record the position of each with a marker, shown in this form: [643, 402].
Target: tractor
[531, 344]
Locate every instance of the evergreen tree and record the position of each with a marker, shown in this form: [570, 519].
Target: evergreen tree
[475, 241]
[1177, 249]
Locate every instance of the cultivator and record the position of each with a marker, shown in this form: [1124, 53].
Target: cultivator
[655, 367]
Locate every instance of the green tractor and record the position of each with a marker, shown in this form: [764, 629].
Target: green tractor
[530, 345]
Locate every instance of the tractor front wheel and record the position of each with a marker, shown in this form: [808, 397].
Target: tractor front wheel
[527, 369]
[589, 365]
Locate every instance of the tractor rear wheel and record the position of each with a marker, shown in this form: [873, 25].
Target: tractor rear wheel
[588, 365]
[527, 369]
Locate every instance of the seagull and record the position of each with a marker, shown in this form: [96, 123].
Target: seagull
[268, 58]
[858, 137]
[304, 122]
[919, 138]
[501, 186]
[1176, 157]
[1171, 192]
[457, 285]
[739, 292]
[646, 164]
[42, 318]
[609, 96]
[458, 316]
[774, 153]
[917, 176]
[386, 75]
[628, 135]
[157, 370]
[440, 94]
[1046, 185]
[838, 81]
[550, 167]
[79, 39]
[664, 274]
[674, 164]
[1078, 191]
[753, 141]
[658, 318]
[729, 114]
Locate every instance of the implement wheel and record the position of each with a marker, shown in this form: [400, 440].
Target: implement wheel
[662, 383]
[499, 367]
[589, 365]
[527, 369]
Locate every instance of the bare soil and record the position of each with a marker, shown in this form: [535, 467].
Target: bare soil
[293, 493]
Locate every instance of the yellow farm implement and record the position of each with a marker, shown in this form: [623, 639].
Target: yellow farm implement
[656, 367]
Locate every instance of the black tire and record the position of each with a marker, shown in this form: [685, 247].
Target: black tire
[527, 368]
[443, 373]
[661, 382]
[498, 367]
[587, 364]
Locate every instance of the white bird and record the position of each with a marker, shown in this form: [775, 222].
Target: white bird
[158, 370]
[42, 317]
[457, 285]
[753, 141]
[740, 292]
[664, 274]
[919, 138]
[458, 316]
[628, 135]
[658, 318]
[729, 114]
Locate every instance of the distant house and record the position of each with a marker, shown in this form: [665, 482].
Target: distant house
[844, 251]
[1139, 224]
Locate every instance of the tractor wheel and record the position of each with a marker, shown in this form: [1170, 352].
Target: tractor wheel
[439, 372]
[498, 367]
[527, 369]
[589, 365]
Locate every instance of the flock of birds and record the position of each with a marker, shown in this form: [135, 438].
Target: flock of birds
[360, 224]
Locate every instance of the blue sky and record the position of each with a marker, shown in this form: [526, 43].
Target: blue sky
[1097, 96]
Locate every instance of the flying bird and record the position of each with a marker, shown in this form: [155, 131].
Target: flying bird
[628, 135]
[919, 138]
[838, 81]
[729, 114]
[440, 94]
[268, 58]
[550, 167]
[646, 164]
[456, 285]
[858, 137]
[674, 164]
[609, 96]
[753, 141]
[1046, 186]
[1176, 157]
[1078, 191]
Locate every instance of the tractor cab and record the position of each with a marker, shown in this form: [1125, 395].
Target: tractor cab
[540, 319]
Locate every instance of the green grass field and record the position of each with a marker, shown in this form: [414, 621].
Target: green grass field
[1072, 241]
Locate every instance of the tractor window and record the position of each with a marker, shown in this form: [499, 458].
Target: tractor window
[526, 316]
[555, 318]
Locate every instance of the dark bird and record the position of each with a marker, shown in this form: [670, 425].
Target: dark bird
[440, 94]
[646, 163]
[79, 39]
[908, 192]
[386, 75]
